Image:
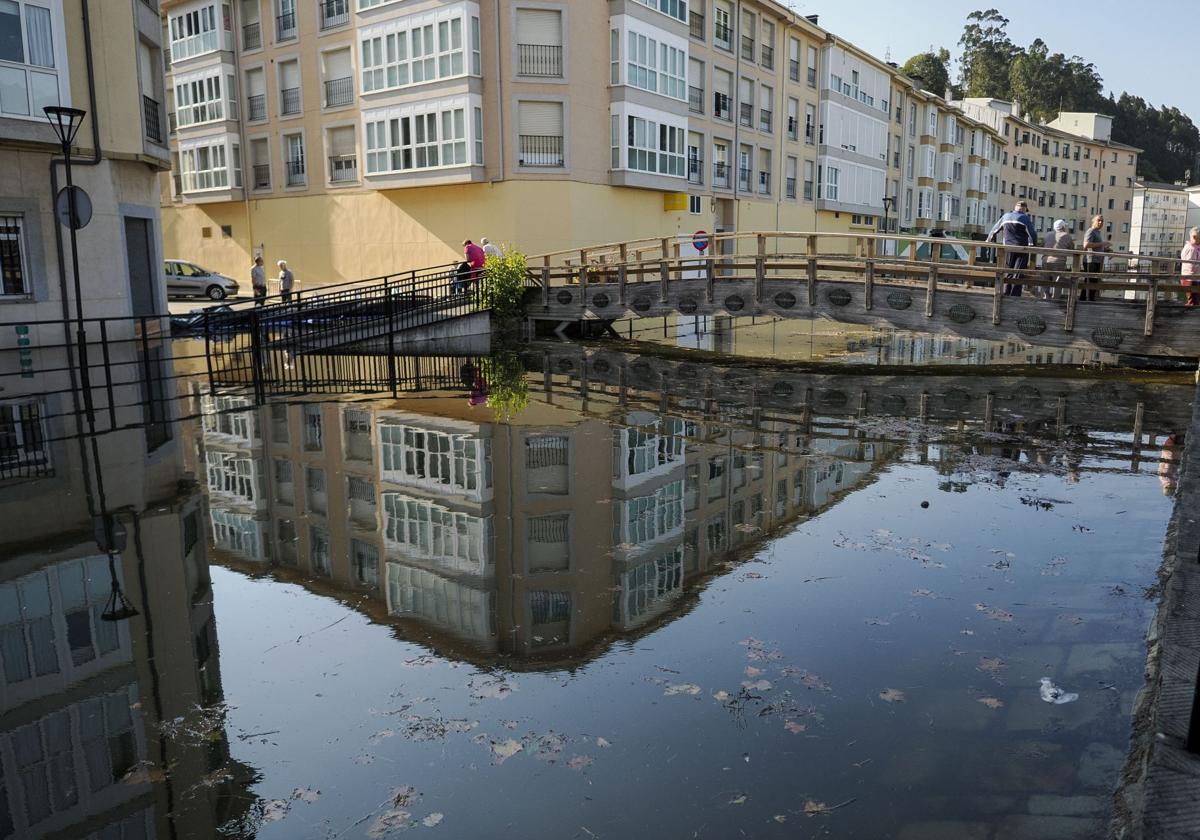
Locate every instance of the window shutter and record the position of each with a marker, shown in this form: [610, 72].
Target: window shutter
[341, 140]
[337, 65]
[539, 26]
[255, 83]
[541, 119]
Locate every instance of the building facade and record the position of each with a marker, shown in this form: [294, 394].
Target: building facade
[1159, 226]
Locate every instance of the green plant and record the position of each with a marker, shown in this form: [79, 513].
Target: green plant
[507, 387]
[502, 287]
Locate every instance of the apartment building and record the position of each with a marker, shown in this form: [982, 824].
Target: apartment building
[1069, 169]
[1159, 227]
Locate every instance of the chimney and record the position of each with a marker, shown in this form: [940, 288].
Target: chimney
[812, 19]
[893, 65]
[1016, 109]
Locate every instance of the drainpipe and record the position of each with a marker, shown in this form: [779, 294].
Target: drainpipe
[736, 36]
[499, 93]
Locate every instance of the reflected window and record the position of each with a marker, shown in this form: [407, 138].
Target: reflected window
[357, 427]
[24, 452]
[716, 478]
[549, 543]
[550, 618]
[434, 459]
[279, 423]
[285, 487]
[314, 436]
[318, 498]
[364, 557]
[422, 529]
[547, 467]
[237, 532]
[649, 586]
[361, 495]
[716, 533]
[231, 474]
[44, 756]
[285, 531]
[109, 746]
[441, 601]
[318, 551]
[27, 639]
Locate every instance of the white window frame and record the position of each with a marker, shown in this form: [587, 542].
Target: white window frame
[59, 71]
[384, 143]
[389, 59]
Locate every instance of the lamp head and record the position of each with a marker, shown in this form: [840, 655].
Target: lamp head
[65, 122]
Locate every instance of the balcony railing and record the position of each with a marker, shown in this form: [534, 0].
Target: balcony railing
[723, 36]
[794, 70]
[695, 99]
[150, 108]
[766, 119]
[720, 174]
[262, 176]
[744, 179]
[285, 26]
[343, 168]
[793, 128]
[295, 172]
[764, 183]
[541, 150]
[334, 13]
[812, 77]
[172, 123]
[256, 107]
[721, 106]
[289, 101]
[696, 170]
[746, 114]
[251, 36]
[339, 91]
[790, 187]
[544, 60]
[808, 133]
[696, 25]
[767, 57]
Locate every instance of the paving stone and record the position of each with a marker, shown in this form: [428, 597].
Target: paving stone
[1028, 827]
[1100, 766]
[944, 830]
[1067, 806]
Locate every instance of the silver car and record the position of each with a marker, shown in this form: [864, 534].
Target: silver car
[186, 279]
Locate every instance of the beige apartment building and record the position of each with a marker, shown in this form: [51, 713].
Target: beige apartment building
[1159, 227]
[1069, 169]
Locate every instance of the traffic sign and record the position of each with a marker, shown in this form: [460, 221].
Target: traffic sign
[700, 240]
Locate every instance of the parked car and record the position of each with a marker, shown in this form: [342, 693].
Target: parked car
[186, 279]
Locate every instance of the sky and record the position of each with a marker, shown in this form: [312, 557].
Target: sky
[1111, 35]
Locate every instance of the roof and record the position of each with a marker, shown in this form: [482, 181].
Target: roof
[1159, 185]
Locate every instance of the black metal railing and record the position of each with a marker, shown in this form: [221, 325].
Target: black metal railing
[720, 174]
[744, 179]
[285, 26]
[794, 70]
[334, 13]
[812, 77]
[793, 128]
[721, 106]
[296, 175]
[767, 57]
[343, 168]
[152, 113]
[24, 448]
[746, 114]
[262, 176]
[695, 99]
[747, 48]
[289, 101]
[172, 123]
[766, 119]
[256, 107]
[541, 150]
[543, 60]
[808, 133]
[723, 35]
[764, 182]
[808, 190]
[339, 91]
[251, 36]
[789, 186]
[695, 169]
[696, 25]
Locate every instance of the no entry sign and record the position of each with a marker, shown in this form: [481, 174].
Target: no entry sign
[700, 240]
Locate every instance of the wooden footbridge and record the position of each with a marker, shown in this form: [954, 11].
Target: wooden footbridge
[923, 284]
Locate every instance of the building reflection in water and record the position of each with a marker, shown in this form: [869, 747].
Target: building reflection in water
[541, 538]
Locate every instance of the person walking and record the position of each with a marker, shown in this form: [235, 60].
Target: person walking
[489, 249]
[1093, 264]
[287, 281]
[1060, 240]
[1015, 229]
[1190, 268]
[258, 281]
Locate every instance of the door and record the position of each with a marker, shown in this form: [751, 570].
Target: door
[143, 277]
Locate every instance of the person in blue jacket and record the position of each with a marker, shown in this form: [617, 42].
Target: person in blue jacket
[1015, 228]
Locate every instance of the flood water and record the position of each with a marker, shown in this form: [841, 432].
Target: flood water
[629, 597]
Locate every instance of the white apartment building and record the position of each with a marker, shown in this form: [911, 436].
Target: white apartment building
[1159, 225]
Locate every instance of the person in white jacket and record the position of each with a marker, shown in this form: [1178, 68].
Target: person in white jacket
[489, 249]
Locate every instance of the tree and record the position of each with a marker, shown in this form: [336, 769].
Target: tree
[987, 53]
[1169, 139]
[930, 68]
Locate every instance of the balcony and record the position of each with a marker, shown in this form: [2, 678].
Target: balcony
[540, 60]
[721, 174]
[256, 107]
[339, 91]
[812, 77]
[695, 170]
[721, 106]
[723, 36]
[696, 25]
[695, 99]
[251, 36]
[789, 187]
[285, 26]
[746, 114]
[794, 70]
[808, 133]
[151, 110]
[767, 57]
[289, 101]
[262, 176]
[766, 119]
[343, 168]
[541, 150]
[764, 183]
[793, 128]
[296, 176]
[747, 48]
[334, 13]
[172, 123]
[808, 191]
[744, 179]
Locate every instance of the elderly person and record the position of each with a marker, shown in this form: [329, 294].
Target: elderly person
[286, 281]
[1060, 240]
[1190, 267]
[1015, 230]
[490, 249]
[1093, 264]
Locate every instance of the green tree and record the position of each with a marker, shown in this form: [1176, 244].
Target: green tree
[931, 68]
[987, 53]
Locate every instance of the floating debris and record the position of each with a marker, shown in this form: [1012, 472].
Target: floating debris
[1053, 694]
[892, 695]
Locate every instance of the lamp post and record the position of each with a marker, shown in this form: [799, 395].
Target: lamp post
[889, 201]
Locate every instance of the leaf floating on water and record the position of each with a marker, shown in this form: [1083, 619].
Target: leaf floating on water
[721, 696]
[433, 819]
[740, 799]
[751, 671]
[306, 795]
[419, 662]
[388, 821]
[490, 686]
[578, 762]
[1053, 694]
[924, 593]
[1071, 619]
[811, 808]
[991, 702]
[813, 681]
[602, 743]
[506, 750]
[274, 810]
[681, 688]
[746, 527]
[756, 685]
[794, 728]
[991, 664]
[892, 695]
[780, 818]
[402, 796]
[994, 613]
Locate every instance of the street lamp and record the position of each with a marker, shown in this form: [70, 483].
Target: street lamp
[889, 201]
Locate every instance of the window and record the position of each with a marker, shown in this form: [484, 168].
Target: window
[790, 178]
[29, 38]
[810, 118]
[425, 530]
[811, 77]
[199, 100]
[314, 482]
[434, 459]
[695, 204]
[674, 8]
[24, 451]
[808, 180]
[407, 51]
[318, 551]
[655, 147]
[230, 474]
[364, 557]
[549, 543]
[722, 25]
[294, 164]
[539, 43]
[205, 165]
[654, 66]
[196, 32]
[14, 276]
[831, 183]
[314, 437]
[421, 136]
[793, 119]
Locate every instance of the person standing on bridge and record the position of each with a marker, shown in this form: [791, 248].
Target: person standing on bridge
[258, 281]
[286, 281]
[1190, 268]
[490, 249]
[1060, 240]
[1093, 264]
[1015, 229]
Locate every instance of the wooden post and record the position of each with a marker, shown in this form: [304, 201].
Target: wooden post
[622, 270]
[989, 411]
[812, 270]
[1072, 295]
[972, 255]
[935, 254]
[582, 264]
[924, 406]
[666, 248]
[1151, 303]
[664, 274]
[760, 276]
[869, 277]
[710, 268]
[997, 295]
[623, 251]
[546, 286]
[583, 282]
[1138, 419]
